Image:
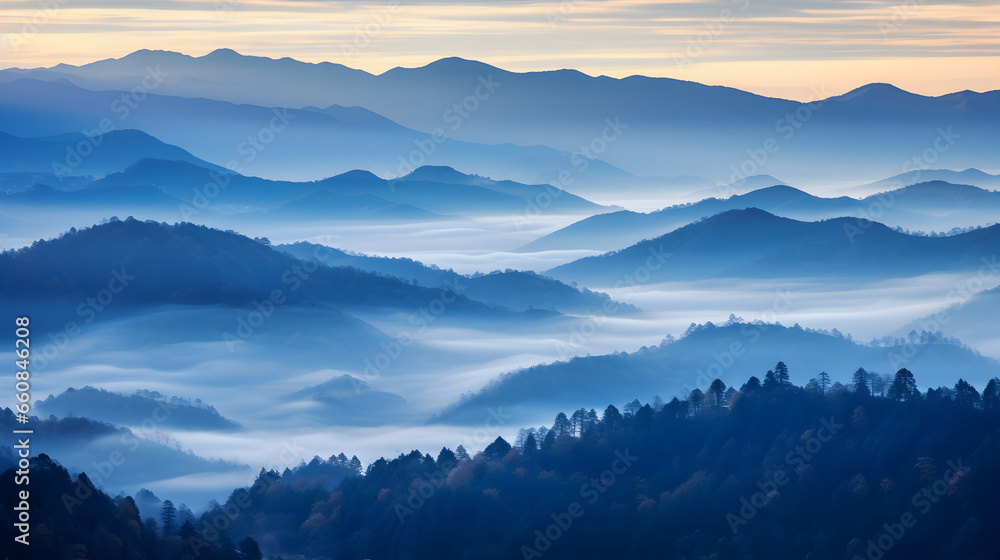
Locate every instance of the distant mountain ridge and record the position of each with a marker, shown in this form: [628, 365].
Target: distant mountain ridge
[674, 127]
[705, 353]
[752, 243]
[970, 176]
[516, 290]
[914, 206]
[75, 154]
[341, 196]
[277, 140]
[133, 409]
[189, 189]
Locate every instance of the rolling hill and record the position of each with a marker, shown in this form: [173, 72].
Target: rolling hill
[75, 154]
[754, 243]
[134, 409]
[933, 205]
[149, 263]
[516, 290]
[733, 352]
[970, 176]
[349, 401]
[355, 194]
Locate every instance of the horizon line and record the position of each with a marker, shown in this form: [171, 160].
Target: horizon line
[221, 50]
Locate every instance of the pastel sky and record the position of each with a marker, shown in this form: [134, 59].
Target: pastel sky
[784, 48]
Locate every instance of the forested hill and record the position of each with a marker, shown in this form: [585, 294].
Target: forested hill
[772, 470]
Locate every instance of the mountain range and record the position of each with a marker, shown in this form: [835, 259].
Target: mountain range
[665, 127]
[733, 352]
[69, 156]
[152, 263]
[928, 205]
[752, 243]
[300, 144]
[188, 189]
[970, 176]
[513, 289]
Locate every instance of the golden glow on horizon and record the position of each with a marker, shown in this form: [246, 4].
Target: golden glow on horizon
[783, 49]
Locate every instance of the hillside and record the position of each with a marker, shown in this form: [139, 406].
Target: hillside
[781, 472]
[151, 263]
[133, 409]
[753, 243]
[512, 289]
[733, 352]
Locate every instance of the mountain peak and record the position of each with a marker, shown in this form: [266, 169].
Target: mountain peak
[438, 173]
[778, 191]
[751, 213]
[450, 66]
[146, 53]
[456, 62]
[357, 174]
[219, 53]
[877, 91]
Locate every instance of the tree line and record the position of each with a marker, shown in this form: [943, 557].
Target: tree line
[748, 472]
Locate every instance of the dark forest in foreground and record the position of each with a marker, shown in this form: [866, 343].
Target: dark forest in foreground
[771, 470]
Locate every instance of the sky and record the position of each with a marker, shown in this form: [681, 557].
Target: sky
[781, 48]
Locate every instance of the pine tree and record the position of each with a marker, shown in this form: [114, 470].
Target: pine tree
[530, 446]
[904, 386]
[770, 381]
[824, 381]
[612, 419]
[461, 454]
[577, 422]
[696, 399]
[169, 516]
[991, 395]
[967, 395]
[860, 383]
[752, 384]
[562, 426]
[591, 421]
[497, 450]
[446, 459]
[781, 373]
[717, 394]
[644, 417]
[184, 513]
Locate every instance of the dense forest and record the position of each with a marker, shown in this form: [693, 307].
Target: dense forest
[868, 470]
